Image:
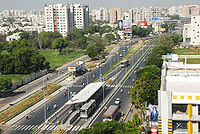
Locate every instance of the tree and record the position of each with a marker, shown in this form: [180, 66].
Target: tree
[59, 43]
[105, 29]
[45, 39]
[110, 37]
[165, 25]
[24, 35]
[111, 127]
[174, 17]
[141, 32]
[5, 84]
[73, 37]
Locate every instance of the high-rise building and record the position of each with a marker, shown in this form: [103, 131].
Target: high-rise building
[179, 96]
[126, 15]
[62, 18]
[101, 14]
[191, 32]
[190, 10]
[80, 15]
[57, 18]
[1, 15]
[115, 14]
[174, 10]
[144, 14]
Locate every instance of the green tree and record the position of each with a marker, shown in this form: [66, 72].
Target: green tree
[165, 25]
[105, 29]
[111, 127]
[5, 84]
[110, 37]
[172, 26]
[60, 44]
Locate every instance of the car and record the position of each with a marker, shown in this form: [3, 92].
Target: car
[120, 55]
[124, 50]
[97, 66]
[117, 101]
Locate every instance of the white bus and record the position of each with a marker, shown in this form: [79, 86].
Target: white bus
[87, 109]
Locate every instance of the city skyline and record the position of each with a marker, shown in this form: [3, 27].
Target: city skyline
[93, 4]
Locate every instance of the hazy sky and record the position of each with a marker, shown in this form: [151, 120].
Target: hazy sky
[93, 4]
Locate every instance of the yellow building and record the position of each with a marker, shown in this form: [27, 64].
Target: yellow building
[115, 14]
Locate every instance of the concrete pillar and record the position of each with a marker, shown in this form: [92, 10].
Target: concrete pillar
[195, 126]
[195, 110]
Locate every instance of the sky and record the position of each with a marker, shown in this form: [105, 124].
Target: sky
[93, 4]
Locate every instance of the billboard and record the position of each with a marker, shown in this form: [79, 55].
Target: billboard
[157, 19]
[71, 69]
[128, 30]
[127, 24]
[142, 24]
[120, 24]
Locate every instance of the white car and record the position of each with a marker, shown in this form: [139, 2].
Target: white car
[120, 55]
[124, 50]
[117, 101]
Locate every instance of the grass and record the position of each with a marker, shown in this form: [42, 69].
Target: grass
[14, 77]
[185, 51]
[13, 111]
[190, 61]
[57, 60]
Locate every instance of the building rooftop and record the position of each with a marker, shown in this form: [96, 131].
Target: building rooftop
[180, 77]
[85, 94]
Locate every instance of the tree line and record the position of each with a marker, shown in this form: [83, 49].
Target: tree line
[145, 88]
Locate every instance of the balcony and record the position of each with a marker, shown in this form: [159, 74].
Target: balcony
[180, 117]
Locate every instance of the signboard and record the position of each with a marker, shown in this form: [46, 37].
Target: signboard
[71, 69]
[127, 24]
[157, 19]
[128, 30]
[142, 24]
[120, 24]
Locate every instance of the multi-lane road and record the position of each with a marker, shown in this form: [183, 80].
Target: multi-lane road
[37, 116]
[125, 100]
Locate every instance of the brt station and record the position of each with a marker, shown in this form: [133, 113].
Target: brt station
[86, 100]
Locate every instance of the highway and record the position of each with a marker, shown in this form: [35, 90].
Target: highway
[37, 117]
[124, 97]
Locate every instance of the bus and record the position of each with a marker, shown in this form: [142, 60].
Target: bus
[124, 63]
[111, 113]
[87, 109]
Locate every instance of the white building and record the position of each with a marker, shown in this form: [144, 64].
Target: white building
[191, 32]
[57, 18]
[179, 96]
[80, 15]
[126, 15]
[12, 37]
[101, 14]
[145, 14]
[32, 29]
[62, 18]
[1, 15]
[174, 10]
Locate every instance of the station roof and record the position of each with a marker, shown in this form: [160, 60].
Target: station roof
[85, 93]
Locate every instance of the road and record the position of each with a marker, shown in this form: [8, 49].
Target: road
[124, 97]
[37, 117]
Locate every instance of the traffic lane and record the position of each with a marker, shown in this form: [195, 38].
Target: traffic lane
[124, 97]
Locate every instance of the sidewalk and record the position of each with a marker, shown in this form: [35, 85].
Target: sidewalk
[18, 98]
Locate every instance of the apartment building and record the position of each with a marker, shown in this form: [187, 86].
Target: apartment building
[62, 18]
[190, 10]
[80, 15]
[144, 14]
[115, 14]
[175, 10]
[191, 32]
[100, 14]
[179, 96]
